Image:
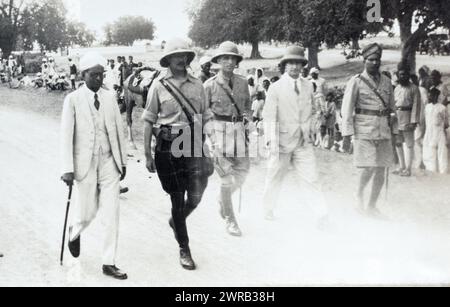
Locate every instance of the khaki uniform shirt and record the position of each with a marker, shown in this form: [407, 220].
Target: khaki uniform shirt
[407, 97]
[228, 136]
[359, 95]
[163, 109]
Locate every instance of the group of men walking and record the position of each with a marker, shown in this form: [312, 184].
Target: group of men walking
[200, 128]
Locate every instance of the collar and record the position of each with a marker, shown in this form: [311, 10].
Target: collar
[287, 77]
[169, 75]
[369, 77]
[222, 79]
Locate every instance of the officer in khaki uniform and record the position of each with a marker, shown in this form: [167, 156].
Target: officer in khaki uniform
[176, 108]
[368, 114]
[228, 97]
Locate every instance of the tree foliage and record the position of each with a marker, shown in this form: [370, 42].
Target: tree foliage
[127, 29]
[24, 22]
[241, 21]
[428, 15]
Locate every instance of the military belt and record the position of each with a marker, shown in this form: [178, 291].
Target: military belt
[379, 113]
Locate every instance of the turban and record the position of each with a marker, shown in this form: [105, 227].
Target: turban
[314, 70]
[372, 49]
[90, 60]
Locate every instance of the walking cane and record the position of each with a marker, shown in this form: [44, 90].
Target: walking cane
[65, 224]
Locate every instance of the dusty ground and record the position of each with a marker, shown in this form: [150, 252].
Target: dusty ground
[413, 247]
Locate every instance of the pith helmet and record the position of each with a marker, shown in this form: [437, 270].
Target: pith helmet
[227, 48]
[177, 46]
[294, 53]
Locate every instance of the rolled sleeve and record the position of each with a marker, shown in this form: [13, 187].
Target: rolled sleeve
[348, 108]
[151, 111]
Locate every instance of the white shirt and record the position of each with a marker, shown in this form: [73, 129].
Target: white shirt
[101, 143]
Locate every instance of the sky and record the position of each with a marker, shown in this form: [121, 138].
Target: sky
[169, 16]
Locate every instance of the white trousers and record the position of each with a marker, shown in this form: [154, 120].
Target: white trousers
[100, 189]
[304, 162]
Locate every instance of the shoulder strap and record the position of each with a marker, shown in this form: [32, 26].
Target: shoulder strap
[182, 96]
[177, 99]
[233, 102]
[374, 90]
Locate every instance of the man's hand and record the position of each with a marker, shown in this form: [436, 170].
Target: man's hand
[124, 173]
[151, 167]
[68, 178]
[347, 143]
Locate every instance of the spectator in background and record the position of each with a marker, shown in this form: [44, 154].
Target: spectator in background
[305, 72]
[435, 151]
[73, 73]
[420, 130]
[252, 88]
[319, 107]
[407, 103]
[205, 65]
[131, 63]
[424, 77]
[258, 107]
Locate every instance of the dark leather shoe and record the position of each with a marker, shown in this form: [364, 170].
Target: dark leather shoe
[114, 272]
[124, 190]
[186, 259]
[74, 247]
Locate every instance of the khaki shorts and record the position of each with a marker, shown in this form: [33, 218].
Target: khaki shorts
[373, 153]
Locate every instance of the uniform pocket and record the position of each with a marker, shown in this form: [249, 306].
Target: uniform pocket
[168, 105]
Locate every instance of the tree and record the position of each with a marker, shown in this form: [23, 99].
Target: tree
[215, 21]
[50, 25]
[127, 29]
[78, 34]
[315, 22]
[11, 23]
[428, 15]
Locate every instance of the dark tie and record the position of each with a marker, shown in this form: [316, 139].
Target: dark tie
[297, 91]
[96, 102]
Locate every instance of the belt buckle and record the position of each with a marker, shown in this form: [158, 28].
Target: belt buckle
[234, 118]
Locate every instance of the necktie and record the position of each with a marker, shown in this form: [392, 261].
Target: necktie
[297, 91]
[230, 84]
[96, 102]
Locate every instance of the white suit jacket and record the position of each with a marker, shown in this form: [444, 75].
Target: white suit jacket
[287, 115]
[78, 131]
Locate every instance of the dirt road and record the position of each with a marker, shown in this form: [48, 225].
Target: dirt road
[413, 247]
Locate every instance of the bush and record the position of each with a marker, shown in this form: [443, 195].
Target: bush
[33, 62]
[33, 66]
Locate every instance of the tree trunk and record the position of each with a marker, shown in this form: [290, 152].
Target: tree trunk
[313, 56]
[7, 45]
[409, 41]
[355, 44]
[255, 51]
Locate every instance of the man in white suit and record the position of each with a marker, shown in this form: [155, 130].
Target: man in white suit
[287, 116]
[94, 155]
